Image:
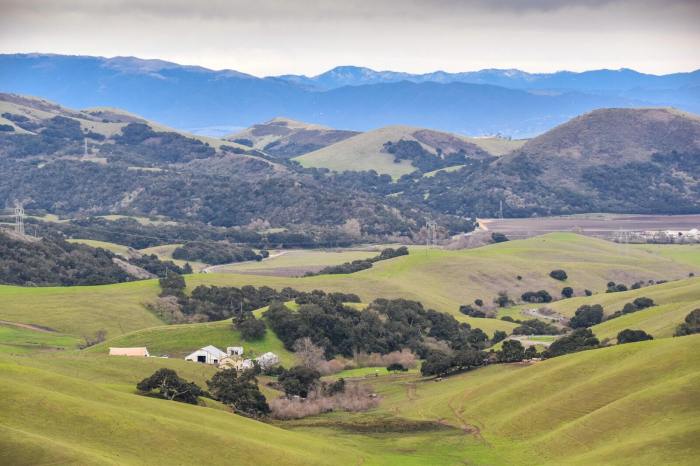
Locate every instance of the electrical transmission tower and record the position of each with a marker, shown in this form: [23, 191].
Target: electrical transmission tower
[19, 220]
[431, 236]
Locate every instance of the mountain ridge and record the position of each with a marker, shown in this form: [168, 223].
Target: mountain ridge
[195, 97]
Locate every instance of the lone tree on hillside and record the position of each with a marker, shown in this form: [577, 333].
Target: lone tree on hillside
[512, 351]
[558, 274]
[170, 386]
[587, 316]
[241, 392]
[172, 284]
[691, 324]
[631, 336]
[578, 340]
[502, 300]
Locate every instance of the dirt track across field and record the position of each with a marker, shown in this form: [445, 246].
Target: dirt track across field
[36, 328]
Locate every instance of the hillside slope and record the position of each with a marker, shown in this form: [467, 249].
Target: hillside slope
[609, 160]
[448, 279]
[82, 421]
[114, 163]
[398, 150]
[629, 404]
[286, 138]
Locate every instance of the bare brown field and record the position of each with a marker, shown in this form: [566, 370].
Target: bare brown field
[597, 225]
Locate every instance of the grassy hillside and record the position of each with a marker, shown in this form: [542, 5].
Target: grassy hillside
[366, 151]
[285, 138]
[362, 152]
[178, 341]
[114, 247]
[451, 278]
[165, 253]
[19, 340]
[630, 404]
[447, 279]
[82, 310]
[84, 421]
[297, 261]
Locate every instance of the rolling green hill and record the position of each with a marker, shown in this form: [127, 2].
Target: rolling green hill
[366, 151]
[447, 279]
[82, 419]
[629, 404]
[285, 138]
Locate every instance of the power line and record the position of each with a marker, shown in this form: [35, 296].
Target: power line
[19, 220]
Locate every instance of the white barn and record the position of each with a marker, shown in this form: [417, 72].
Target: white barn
[207, 355]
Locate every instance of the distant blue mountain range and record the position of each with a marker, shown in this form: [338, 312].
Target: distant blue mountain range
[510, 102]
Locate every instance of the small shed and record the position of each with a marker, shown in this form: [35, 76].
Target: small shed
[207, 355]
[141, 352]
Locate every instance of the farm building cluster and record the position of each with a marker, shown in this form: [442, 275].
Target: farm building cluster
[659, 237]
[232, 358]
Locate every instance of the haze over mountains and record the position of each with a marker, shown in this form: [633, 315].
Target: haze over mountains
[509, 102]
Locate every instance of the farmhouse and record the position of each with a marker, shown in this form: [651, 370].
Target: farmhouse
[235, 362]
[135, 352]
[207, 355]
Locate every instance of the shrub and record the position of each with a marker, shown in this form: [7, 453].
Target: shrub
[299, 381]
[252, 329]
[631, 336]
[239, 392]
[535, 327]
[512, 351]
[396, 367]
[541, 296]
[587, 316]
[437, 363]
[578, 340]
[498, 335]
[558, 274]
[172, 284]
[498, 237]
[468, 310]
[691, 324]
[502, 299]
[479, 302]
[530, 352]
[353, 398]
[567, 292]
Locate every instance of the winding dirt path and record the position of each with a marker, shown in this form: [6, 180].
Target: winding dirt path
[36, 328]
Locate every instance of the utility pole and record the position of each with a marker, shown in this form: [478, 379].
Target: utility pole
[500, 210]
[19, 220]
[85, 151]
[431, 234]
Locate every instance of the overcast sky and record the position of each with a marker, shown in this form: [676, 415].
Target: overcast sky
[267, 37]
